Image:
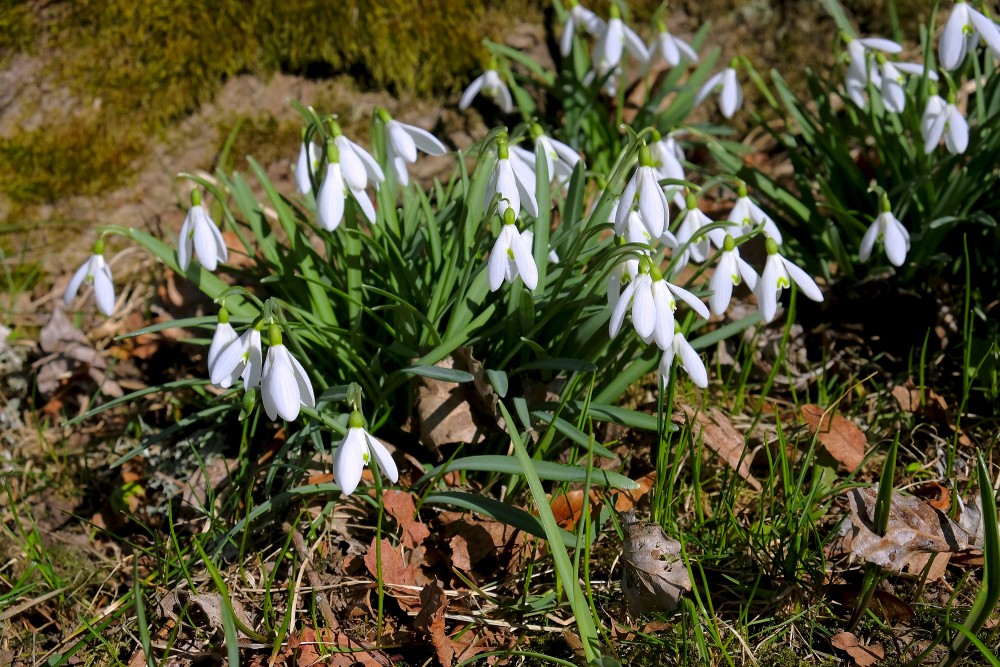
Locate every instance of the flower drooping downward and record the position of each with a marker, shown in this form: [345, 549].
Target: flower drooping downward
[644, 191]
[779, 274]
[202, 235]
[491, 85]
[355, 452]
[243, 358]
[94, 272]
[285, 386]
[511, 256]
[894, 236]
[404, 141]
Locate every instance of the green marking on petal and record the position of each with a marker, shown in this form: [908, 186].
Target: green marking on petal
[783, 283]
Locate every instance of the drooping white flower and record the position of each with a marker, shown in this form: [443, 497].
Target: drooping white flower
[307, 165]
[582, 17]
[223, 337]
[651, 301]
[644, 191]
[355, 452]
[404, 141]
[511, 256]
[861, 66]
[671, 48]
[730, 271]
[695, 243]
[748, 215]
[893, 82]
[613, 42]
[944, 118]
[559, 158]
[514, 180]
[202, 235]
[690, 361]
[962, 32]
[243, 358]
[285, 385]
[358, 167]
[620, 274]
[667, 156]
[894, 236]
[333, 193]
[490, 83]
[779, 273]
[728, 88]
[94, 272]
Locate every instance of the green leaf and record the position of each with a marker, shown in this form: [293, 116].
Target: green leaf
[547, 470]
[438, 373]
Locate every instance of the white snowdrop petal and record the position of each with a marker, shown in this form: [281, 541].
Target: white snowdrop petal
[731, 97]
[365, 204]
[383, 457]
[747, 272]
[104, 287]
[957, 132]
[330, 205]
[767, 289]
[880, 44]
[721, 284]
[497, 264]
[804, 281]
[402, 143]
[255, 361]
[306, 395]
[566, 41]
[204, 244]
[619, 308]
[425, 141]
[987, 29]
[868, 241]
[523, 260]
[625, 205]
[666, 361]
[652, 204]
[185, 242]
[74, 283]
[663, 329]
[223, 337]
[895, 243]
[470, 94]
[349, 461]
[643, 307]
[689, 299]
[953, 45]
[708, 87]
[692, 362]
[399, 168]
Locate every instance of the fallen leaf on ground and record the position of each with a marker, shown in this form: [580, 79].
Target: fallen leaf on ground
[719, 434]
[883, 604]
[914, 527]
[394, 571]
[654, 577]
[933, 408]
[861, 655]
[430, 621]
[839, 437]
[67, 352]
[206, 606]
[399, 505]
[455, 412]
[474, 540]
[568, 507]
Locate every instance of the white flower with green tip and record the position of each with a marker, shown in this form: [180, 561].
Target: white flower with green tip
[200, 234]
[223, 337]
[511, 256]
[779, 274]
[730, 271]
[491, 85]
[513, 180]
[332, 199]
[355, 452]
[944, 119]
[651, 301]
[94, 272]
[748, 215]
[243, 358]
[284, 385]
[643, 192]
[307, 165]
[404, 142]
[690, 361]
[671, 48]
[962, 32]
[894, 236]
[727, 86]
[612, 44]
[577, 15]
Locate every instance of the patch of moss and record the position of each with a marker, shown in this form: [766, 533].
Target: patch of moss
[18, 28]
[262, 136]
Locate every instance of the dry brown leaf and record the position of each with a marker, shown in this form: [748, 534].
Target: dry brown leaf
[839, 437]
[394, 570]
[914, 527]
[933, 408]
[861, 655]
[938, 568]
[654, 577]
[430, 620]
[719, 434]
[456, 412]
[473, 539]
[349, 652]
[883, 604]
[207, 608]
[938, 495]
[626, 499]
[568, 508]
[67, 352]
[399, 505]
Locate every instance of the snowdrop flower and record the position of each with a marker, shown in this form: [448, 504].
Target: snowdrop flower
[586, 19]
[748, 215]
[644, 190]
[560, 159]
[357, 165]
[223, 337]
[404, 140]
[861, 69]
[333, 193]
[667, 156]
[941, 118]
[243, 358]
[307, 164]
[200, 233]
[962, 33]
[894, 236]
[892, 82]
[511, 256]
[778, 274]
[670, 48]
[94, 272]
[727, 86]
[513, 180]
[285, 386]
[728, 272]
[613, 42]
[621, 273]
[491, 85]
[355, 452]
[694, 242]
[651, 299]
[690, 361]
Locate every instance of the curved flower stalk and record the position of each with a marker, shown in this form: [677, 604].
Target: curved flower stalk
[355, 451]
[894, 236]
[202, 235]
[285, 386]
[307, 164]
[404, 141]
[779, 274]
[672, 49]
[513, 180]
[511, 256]
[643, 191]
[333, 193]
[491, 85]
[944, 119]
[223, 337]
[748, 215]
[962, 32]
[243, 358]
[612, 43]
[727, 86]
[651, 301]
[578, 15]
[731, 270]
[690, 361]
[94, 272]
[861, 66]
